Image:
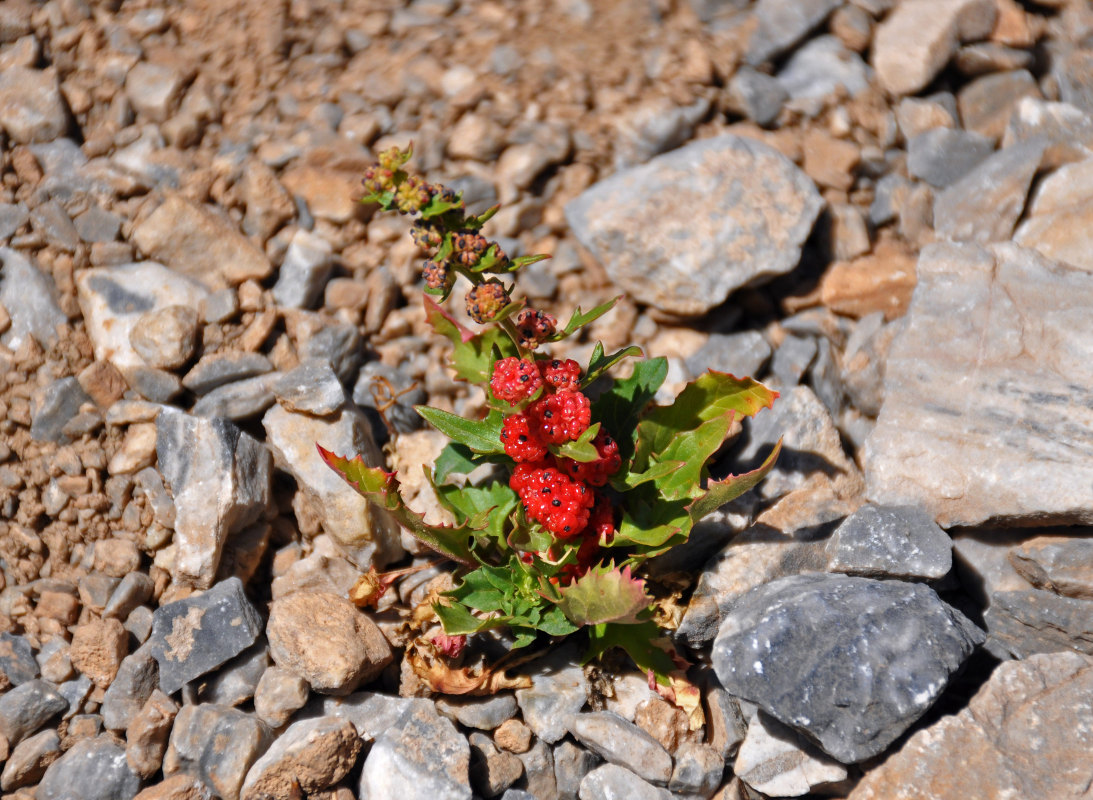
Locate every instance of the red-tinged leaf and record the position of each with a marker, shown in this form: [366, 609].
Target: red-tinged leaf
[604, 594]
[445, 324]
[473, 354]
[720, 492]
[381, 488]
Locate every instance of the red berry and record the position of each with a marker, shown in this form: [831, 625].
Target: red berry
[560, 504]
[514, 379]
[534, 327]
[596, 472]
[519, 441]
[564, 376]
[601, 521]
[560, 417]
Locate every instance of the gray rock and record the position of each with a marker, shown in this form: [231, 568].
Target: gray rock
[557, 694]
[220, 306]
[698, 770]
[610, 781]
[534, 148]
[154, 89]
[538, 778]
[29, 760]
[167, 337]
[740, 354]
[985, 417]
[984, 58]
[888, 198]
[1067, 128]
[92, 769]
[1059, 564]
[713, 213]
[655, 127]
[941, 156]
[30, 298]
[27, 707]
[57, 405]
[312, 755]
[32, 108]
[97, 225]
[52, 221]
[571, 764]
[280, 693]
[987, 102]
[216, 745]
[778, 762]
[1037, 621]
[203, 457]
[782, 24]
[154, 385]
[238, 400]
[621, 742]
[139, 623]
[134, 590]
[492, 771]
[725, 721]
[792, 359]
[194, 636]
[375, 375]
[310, 388]
[784, 646]
[822, 66]
[304, 271]
[986, 203]
[218, 369]
[371, 713]
[16, 659]
[137, 678]
[1057, 224]
[756, 95]
[75, 692]
[421, 757]
[891, 542]
[340, 344]
[236, 680]
[484, 713]
[13, 216]
[916, 115]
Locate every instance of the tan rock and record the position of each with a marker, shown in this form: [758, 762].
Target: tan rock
[103, 383]
[513, 735]
[98, 648]
[146, 736]
[1012, 26]
[829, 161]
[313, 754]
[60, 606]
[327, 640]
[330, 194]
[1060, 219]
[116, 557]
[137, 451]
[269, 206]
[881, 281]
[177, 787]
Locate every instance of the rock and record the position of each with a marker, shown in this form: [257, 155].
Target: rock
[55, 409]
[775, 760]
[218, 369]
[75, 693]
[312, 755]
[421, 757]
[782, 24]
[725, 721]
[1068, 129]
[477, 137]
[708, 208]
[155, 385]
[1059, 564]
[29, 760]
[919, 37]
[26, 708]
[538, 778]
[340, 344]
[987, 102]
[959, 389]
[269, 206]
[916, 115]
[203, 457]
[890, 542]
[492, 771]
[98, 648]
[310, 388]
[371, 713]
[776, 648]
[986, 203]
[114, 299]
[557, 694]
[16, 659]
[97, 766]
[239, 400]
[941, 156]
[32, 108]
[743, 353]
[822, 66]
[177, 787]
[368, 535]
[30, 298]
[146, 736]
[304, 271]
[97, 225]
[137, 452]
[698, 770]
[330, 194]
[53, 222]
[485, 714]
[200, 245]
[280, 694]
[216, 745]
[882, 281]
[358, 656]
[654, 127]
[167, 337]
[325, 570]
[1059, 215]
[533, 150]
[791, 360]
[1072, 67]
[976, 752]
[235, 681]
[620, 742]
[194, 636]
[610, 781]
[756, 95]
[409, 393]
[829, 161]
[989, 57]
[154, 89]
[1036, 621]
[571, 764]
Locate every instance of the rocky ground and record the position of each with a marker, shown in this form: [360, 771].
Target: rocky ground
[882, 208]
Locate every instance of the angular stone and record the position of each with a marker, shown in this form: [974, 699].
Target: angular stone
[791, 359]
[697, 771]
[32, 108]
[16, 659]
[97, 225]
[1036, 621]
[724, 227]
[779, 646]
[52, 221]
[778, 762]
[269, 206]
[29, 760]
[984, 58]
[492, 771]
[54, 408]
[137, 678]
[310, 388]
[743, 353]
[538, 779]
[177, 787]
[986, 203]
[983, 417]
[822, 66]
[571, 764]
[98, 648]
[146, 736]
[203, 458]
[1059, 564]
[557, 694]
[97, 766]
[620, 742]
[340, 344]
[30, 298]
[783, 23]
[26, 708]
[1026, 733]
[216, 745]
[653, 127]
[891, 542]
[167, 337]
[371, 713]
[409, 393]
[304, 271]
[239, 400]
[610, 781]
[941, 156]
[485, 714]
[756, 95]
[217, 369]
[312, 755]
[881, 281]
[1068, 129]
[987, 102]
[330, 195]
[919, 37]
[236, 680]
[194, 636]
[154, 89]
[369, 536]
[280, 694]
[200, 245]
[1060, 215]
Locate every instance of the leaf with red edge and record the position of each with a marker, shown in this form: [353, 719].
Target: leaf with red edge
[381, 488]
[604, 594]
[720, 492]
[473, 354]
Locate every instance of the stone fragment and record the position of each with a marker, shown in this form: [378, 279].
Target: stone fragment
[203, 458]
[135, 682]
[557, 694]
[621, 742]
[1026, 732]
[492, 771]
[340, 344]
[146, 736]
[532, 150]
[217, 369]
[697, 771]
[820, 67]
[485, 714]
[708, 209]
[194, 636]
[310, 388]
[235, 681]
[330, 195]
[312, 755]
[97, 766]
[477, 137]
[941, 156]
[654, 127]
[269, 206]
[792, 358]
[53, 222]
[116, 557]
[167, 337]
[368, 536]
[57, 405]
[916, 115]
[29, 760]
[986, 203]
[919, 37]
[97, 225]
[775, 760]
[421, 757]
[783, 23]
[742, 353]
[371, 713]
[882, 281]
[177, 787]
[1057, 223]
[373, 381]
[17, 659]
[984, 58]
[829, 161]
[890, 542]
[1072, 68]
[610, 781]
[725, 721]
[571, 764]
[98, 648]
[1068, 129]
[137, 452]
[1032, 621]
[538, 779]
[216, 745]
[986, 103]
[30, 298]
[756, 95]
[32, 108]
[280, 694]
[776, 648]
[154, 90]
[304, 271]
[239, 400]
[966, 376]
[199, 245]
[1059, 564]
[356, 651]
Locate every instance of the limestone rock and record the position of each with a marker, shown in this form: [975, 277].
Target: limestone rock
[777, 761]
[216, 745]
[32, 108]
[1061, 215]
[890, 541]
[312, 755]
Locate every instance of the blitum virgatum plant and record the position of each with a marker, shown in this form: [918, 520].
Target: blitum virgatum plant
[595, 478]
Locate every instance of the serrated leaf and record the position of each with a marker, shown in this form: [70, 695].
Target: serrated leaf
[581, 449]
[619, 406]
[472, 353]
[455, 459]
[457, 619]
[692, 448]
[554, 623]
[604, 594]
[641, 641]
[494, 502]
[599, 363]
[581, 318]
[481, 436]
[720, 492]
[382, 489]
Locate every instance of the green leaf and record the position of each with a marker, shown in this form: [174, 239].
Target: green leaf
[554, 623]
[691, 447]
[641, 641]
[455, 459]
[496, 501]
[481, 436]
[472, 353]
[720, 492]
[662, 468]
[650, 521]
[381, 489]
[604, 594]
[457, 619]
[599, 363]
[475, 223]
[618, 407]
[437, 205]
[523, 261]
[582, 318]
[580, 449]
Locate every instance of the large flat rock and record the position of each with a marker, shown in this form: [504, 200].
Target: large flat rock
[988, 411]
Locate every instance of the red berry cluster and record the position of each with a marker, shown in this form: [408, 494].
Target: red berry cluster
[556, 492]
